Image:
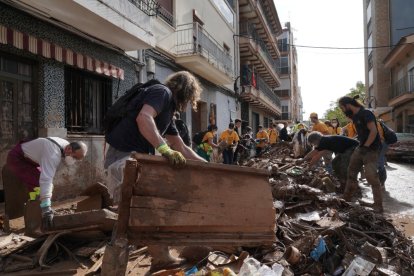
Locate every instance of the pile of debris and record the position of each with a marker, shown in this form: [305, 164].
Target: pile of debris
[317, 233]
[331, 235]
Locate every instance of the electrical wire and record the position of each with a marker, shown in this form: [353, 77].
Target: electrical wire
[329, 47]
[346, 48]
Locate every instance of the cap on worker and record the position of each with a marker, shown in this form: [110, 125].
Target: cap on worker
[313, 114]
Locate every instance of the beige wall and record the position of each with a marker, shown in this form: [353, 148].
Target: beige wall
[214, 24]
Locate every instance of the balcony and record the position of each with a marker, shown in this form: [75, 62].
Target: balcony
[264, 15]
[254, 49]
[256, 91]
[122, 23]
[284, 94]
[198, 51]
[402, 91]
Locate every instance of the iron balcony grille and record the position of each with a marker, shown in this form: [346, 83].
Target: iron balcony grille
[149, 7]
[404, 85]
[193, 39]
[248, 30]
[250, 78]
[166, 16]
[286, 116]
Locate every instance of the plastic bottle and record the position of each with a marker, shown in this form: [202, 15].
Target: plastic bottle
[228, 272]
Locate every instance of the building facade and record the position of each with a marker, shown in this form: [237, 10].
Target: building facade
[198, 36]
[63, 63]
[400, 62]
[58, 76]
[289, 90]
[259, 27]
[386, 24]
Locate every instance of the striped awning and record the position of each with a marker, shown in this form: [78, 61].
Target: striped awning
[50, 50]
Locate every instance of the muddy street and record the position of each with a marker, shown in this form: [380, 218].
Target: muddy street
[398, 195]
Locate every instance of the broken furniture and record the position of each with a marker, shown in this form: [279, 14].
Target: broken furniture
[201, 204]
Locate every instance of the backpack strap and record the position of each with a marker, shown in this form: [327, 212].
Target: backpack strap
[56, 143]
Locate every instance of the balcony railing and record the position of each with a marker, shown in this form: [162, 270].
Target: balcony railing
[193, 39]
[248, 30]
[286, 116]
[402, 86]
[267, 16]
[166, 16]
[250, 78]
[149, 7]
[262, 86]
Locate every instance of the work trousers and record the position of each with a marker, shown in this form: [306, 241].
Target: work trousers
[258, 150]
[23, 168]
[327, 159]
[340, 164]
[228, 155]
[369, 159]
[382, 172]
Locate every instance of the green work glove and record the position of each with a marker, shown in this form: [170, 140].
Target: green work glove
[47, 214]
[175, 157]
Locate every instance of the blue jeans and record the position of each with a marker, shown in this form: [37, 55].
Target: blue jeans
[228, 156]
[382, 172]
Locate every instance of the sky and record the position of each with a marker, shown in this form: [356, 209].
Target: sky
[325, 75]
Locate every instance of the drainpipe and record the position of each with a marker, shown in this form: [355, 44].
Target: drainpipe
[142, 71]
[237, 44]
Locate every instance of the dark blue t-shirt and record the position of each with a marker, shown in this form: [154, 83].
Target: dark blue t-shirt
[126, 136]
[336, 143]
[361, 119]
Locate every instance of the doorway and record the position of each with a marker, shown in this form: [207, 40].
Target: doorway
[199, 120]
[18, 120]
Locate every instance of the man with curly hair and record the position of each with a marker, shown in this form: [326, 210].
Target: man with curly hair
[149, 127]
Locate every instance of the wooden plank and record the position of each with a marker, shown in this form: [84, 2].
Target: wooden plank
[152, 159]
[103, 218]
[212, 239]
[12, 243]
[204, 181]
[96, 266]
[145, 217]
[131, 175]
[152, 211]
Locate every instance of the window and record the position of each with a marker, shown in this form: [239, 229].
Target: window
[369, 44]
[225, 10]
[285, 108]
[283, 65]
[265, 122]
[369, 10]
[411, 80]
[88, 97]
[370, 61]
[283, 45]
[370, 77]
[369, 27]
[283, 93]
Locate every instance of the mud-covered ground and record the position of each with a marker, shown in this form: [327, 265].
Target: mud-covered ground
[398, 195]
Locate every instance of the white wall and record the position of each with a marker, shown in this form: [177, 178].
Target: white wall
[214, 24]
[226, 106]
